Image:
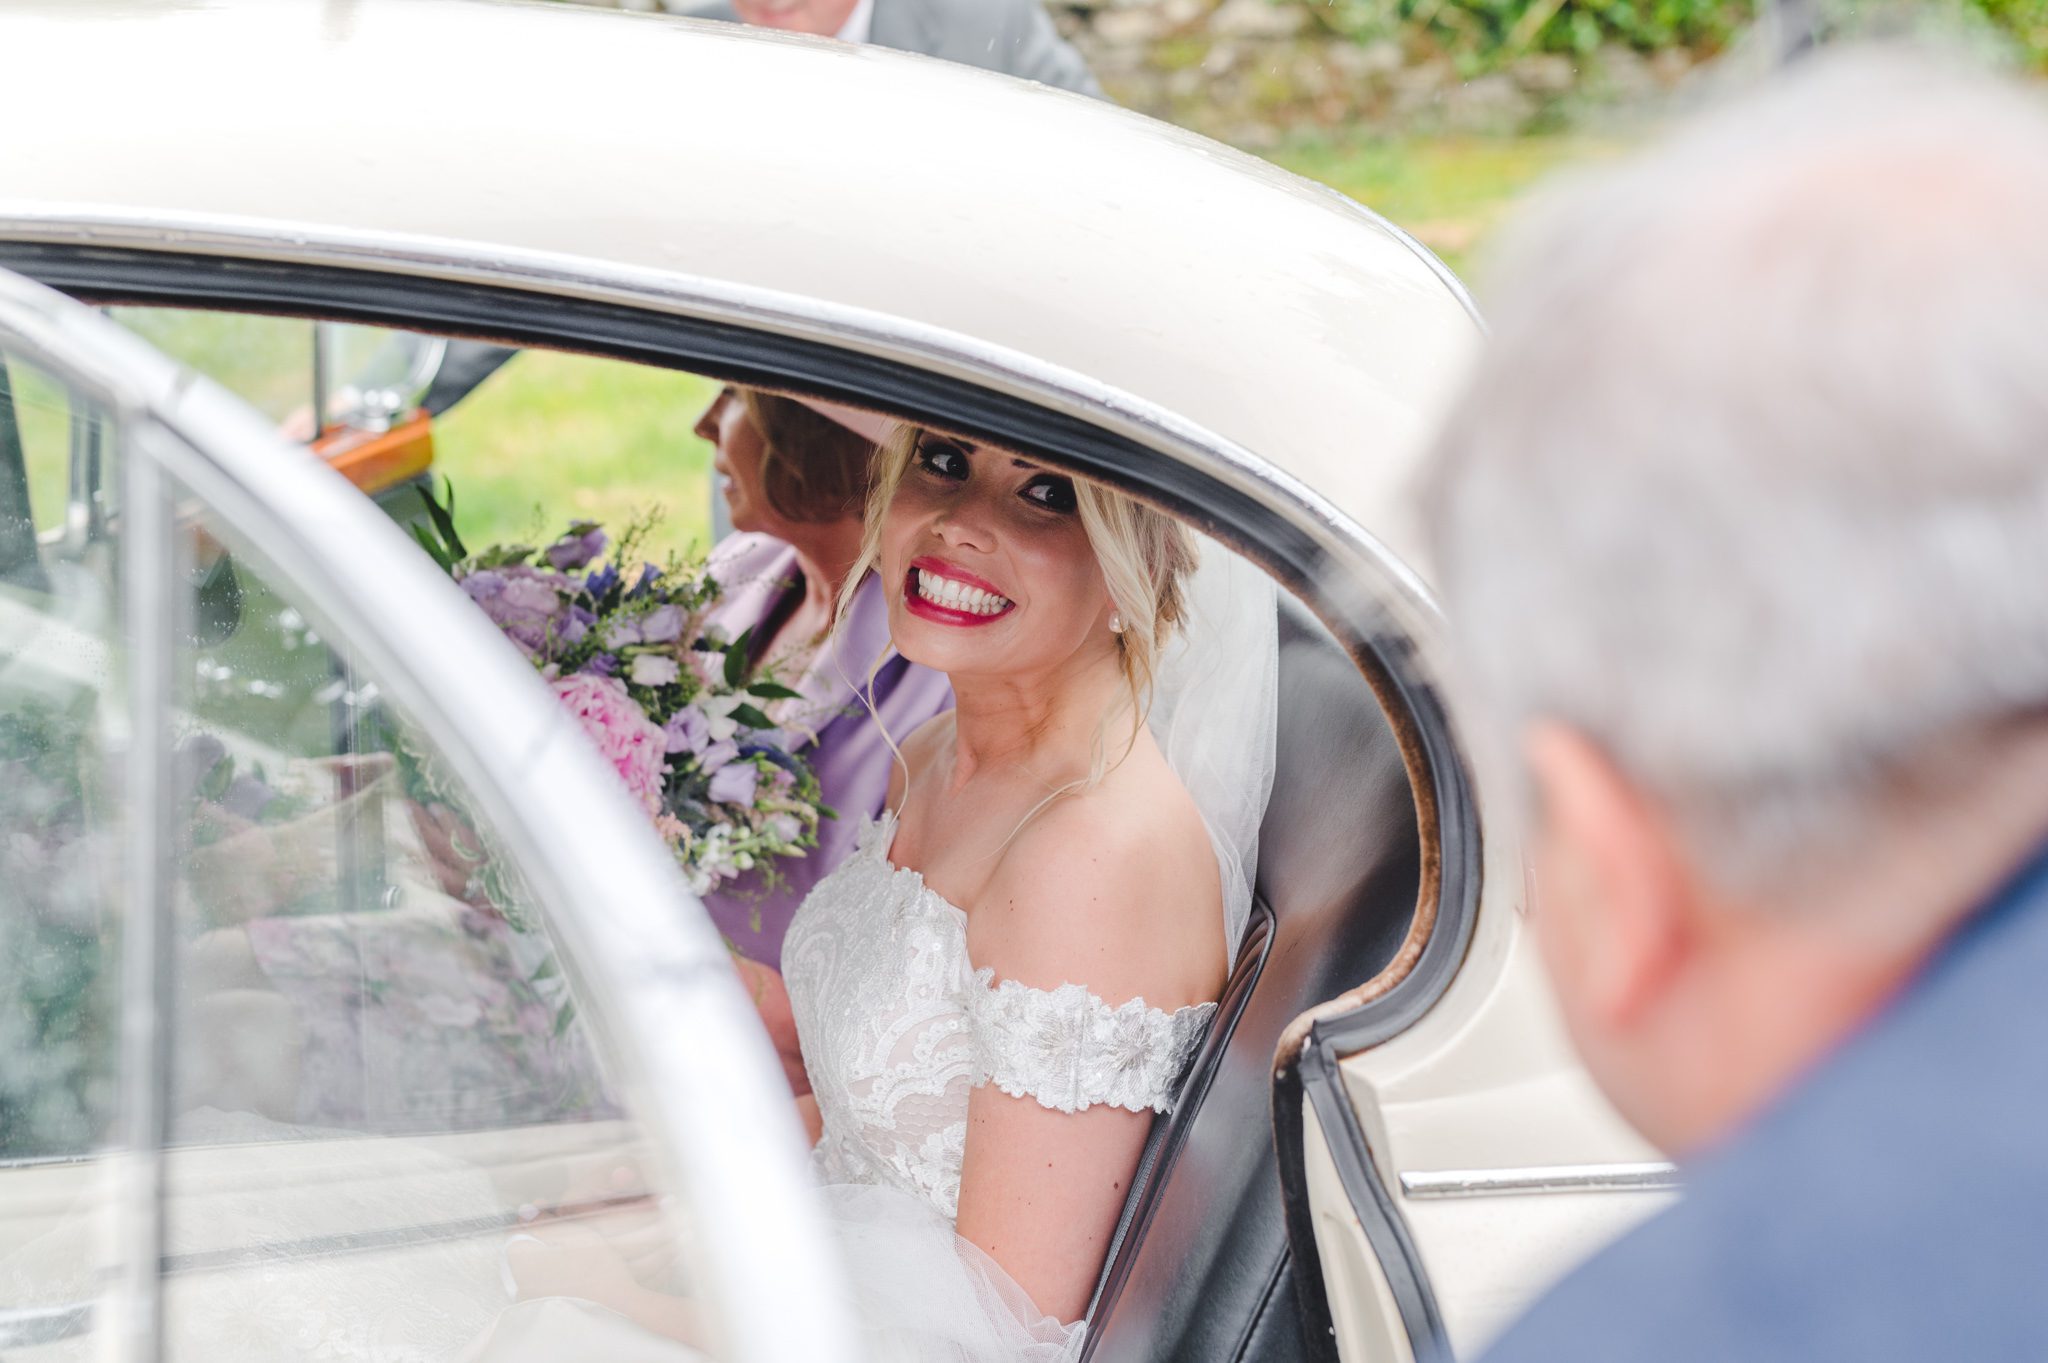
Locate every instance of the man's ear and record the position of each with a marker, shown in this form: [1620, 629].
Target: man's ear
[1617, 893]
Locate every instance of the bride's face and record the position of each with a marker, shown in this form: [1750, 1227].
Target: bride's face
[988, 567]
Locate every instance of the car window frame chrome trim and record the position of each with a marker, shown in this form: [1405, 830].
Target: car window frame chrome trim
[672, 979]
[144, 569]
[938, 350]
[149, 620]
[1452, 1184]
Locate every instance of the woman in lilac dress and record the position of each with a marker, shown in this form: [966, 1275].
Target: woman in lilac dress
[795, 480]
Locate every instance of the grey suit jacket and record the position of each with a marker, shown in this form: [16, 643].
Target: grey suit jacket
[1015, 37]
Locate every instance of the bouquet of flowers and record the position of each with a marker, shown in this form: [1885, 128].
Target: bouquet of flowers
[675, 707]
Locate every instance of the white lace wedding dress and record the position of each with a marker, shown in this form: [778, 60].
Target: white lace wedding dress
[897, 1028]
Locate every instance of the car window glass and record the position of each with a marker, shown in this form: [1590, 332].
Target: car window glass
[37, 407]
[383, 1072]
[64, 718]
[265, 361]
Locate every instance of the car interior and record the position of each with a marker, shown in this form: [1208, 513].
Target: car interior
[1201, 1265]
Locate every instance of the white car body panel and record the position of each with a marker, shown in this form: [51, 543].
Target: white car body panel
[1051, 225]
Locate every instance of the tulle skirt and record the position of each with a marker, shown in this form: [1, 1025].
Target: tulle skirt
[920, 1294]
[925, 1295]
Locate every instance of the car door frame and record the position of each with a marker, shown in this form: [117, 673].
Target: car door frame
[644, 972]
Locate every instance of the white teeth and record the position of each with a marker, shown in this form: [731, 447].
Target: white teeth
[957, 595]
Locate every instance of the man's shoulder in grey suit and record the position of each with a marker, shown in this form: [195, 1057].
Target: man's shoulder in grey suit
[1015, 37]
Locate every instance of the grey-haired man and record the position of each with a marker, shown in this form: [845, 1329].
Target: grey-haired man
[1742, 528]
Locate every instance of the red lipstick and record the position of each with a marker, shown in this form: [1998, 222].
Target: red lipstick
[938, 612]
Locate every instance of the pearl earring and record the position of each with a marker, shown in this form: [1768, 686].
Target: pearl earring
[1116, 623]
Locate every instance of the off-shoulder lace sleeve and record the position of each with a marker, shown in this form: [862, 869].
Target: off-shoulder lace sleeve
[1070, 1050]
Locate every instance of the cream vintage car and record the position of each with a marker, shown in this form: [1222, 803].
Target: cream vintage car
[1385, 1146]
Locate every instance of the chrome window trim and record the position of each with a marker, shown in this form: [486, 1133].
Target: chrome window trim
[1559, 1178]
[149, 621]
[667, 975]
[881, 335]
[25, 1327]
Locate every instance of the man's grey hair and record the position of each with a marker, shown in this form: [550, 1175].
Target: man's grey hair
[1751, 485]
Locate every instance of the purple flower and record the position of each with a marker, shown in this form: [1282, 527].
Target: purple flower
[601, 665]
[531, 638]
[601, 581]
[622, 632]
[531, 595]
[195, 760]
[687, 731]
[583, 543]
[649, 575]
[718, 755]
[575, 627]
[663, 625]
[483, 585]
[247, 797]
[734, 784]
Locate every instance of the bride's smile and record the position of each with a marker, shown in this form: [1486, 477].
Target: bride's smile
[990, 566]
[950, 595]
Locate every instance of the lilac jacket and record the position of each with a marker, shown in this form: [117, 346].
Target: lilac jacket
[849, 753]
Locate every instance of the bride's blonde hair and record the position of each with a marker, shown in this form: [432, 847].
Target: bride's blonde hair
[1145, 557]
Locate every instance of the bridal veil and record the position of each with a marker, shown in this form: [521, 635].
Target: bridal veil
[1215, 710]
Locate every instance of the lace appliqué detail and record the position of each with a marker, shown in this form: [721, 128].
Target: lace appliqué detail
[898, 1028]
[1070, 1050]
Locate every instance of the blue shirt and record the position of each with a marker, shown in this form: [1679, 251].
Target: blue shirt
[1893, 1206]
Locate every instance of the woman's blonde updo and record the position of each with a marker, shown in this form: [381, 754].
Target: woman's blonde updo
[1145, 556]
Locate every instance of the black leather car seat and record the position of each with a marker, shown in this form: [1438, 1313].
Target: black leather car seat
[1201, 1269]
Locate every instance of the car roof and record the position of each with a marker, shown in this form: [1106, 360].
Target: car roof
[1268, 310]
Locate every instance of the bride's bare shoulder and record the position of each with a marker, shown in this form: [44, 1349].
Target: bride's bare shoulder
[1115, 888]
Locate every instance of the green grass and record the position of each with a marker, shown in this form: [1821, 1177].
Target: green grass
[42, 415]
[552, 438]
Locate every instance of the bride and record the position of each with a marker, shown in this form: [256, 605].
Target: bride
[1007, 979]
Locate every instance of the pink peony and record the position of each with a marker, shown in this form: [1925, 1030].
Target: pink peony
[633, 743]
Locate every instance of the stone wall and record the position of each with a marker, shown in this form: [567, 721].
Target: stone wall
[1255, 71]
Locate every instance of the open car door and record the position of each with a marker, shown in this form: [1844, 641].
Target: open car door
[272, 1081]
[1443, 1166]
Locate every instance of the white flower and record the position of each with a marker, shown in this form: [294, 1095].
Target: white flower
[654, 669]
[718, 713]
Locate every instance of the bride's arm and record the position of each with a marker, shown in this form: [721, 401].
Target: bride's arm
[1040, 1191]
[1040, 1188]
